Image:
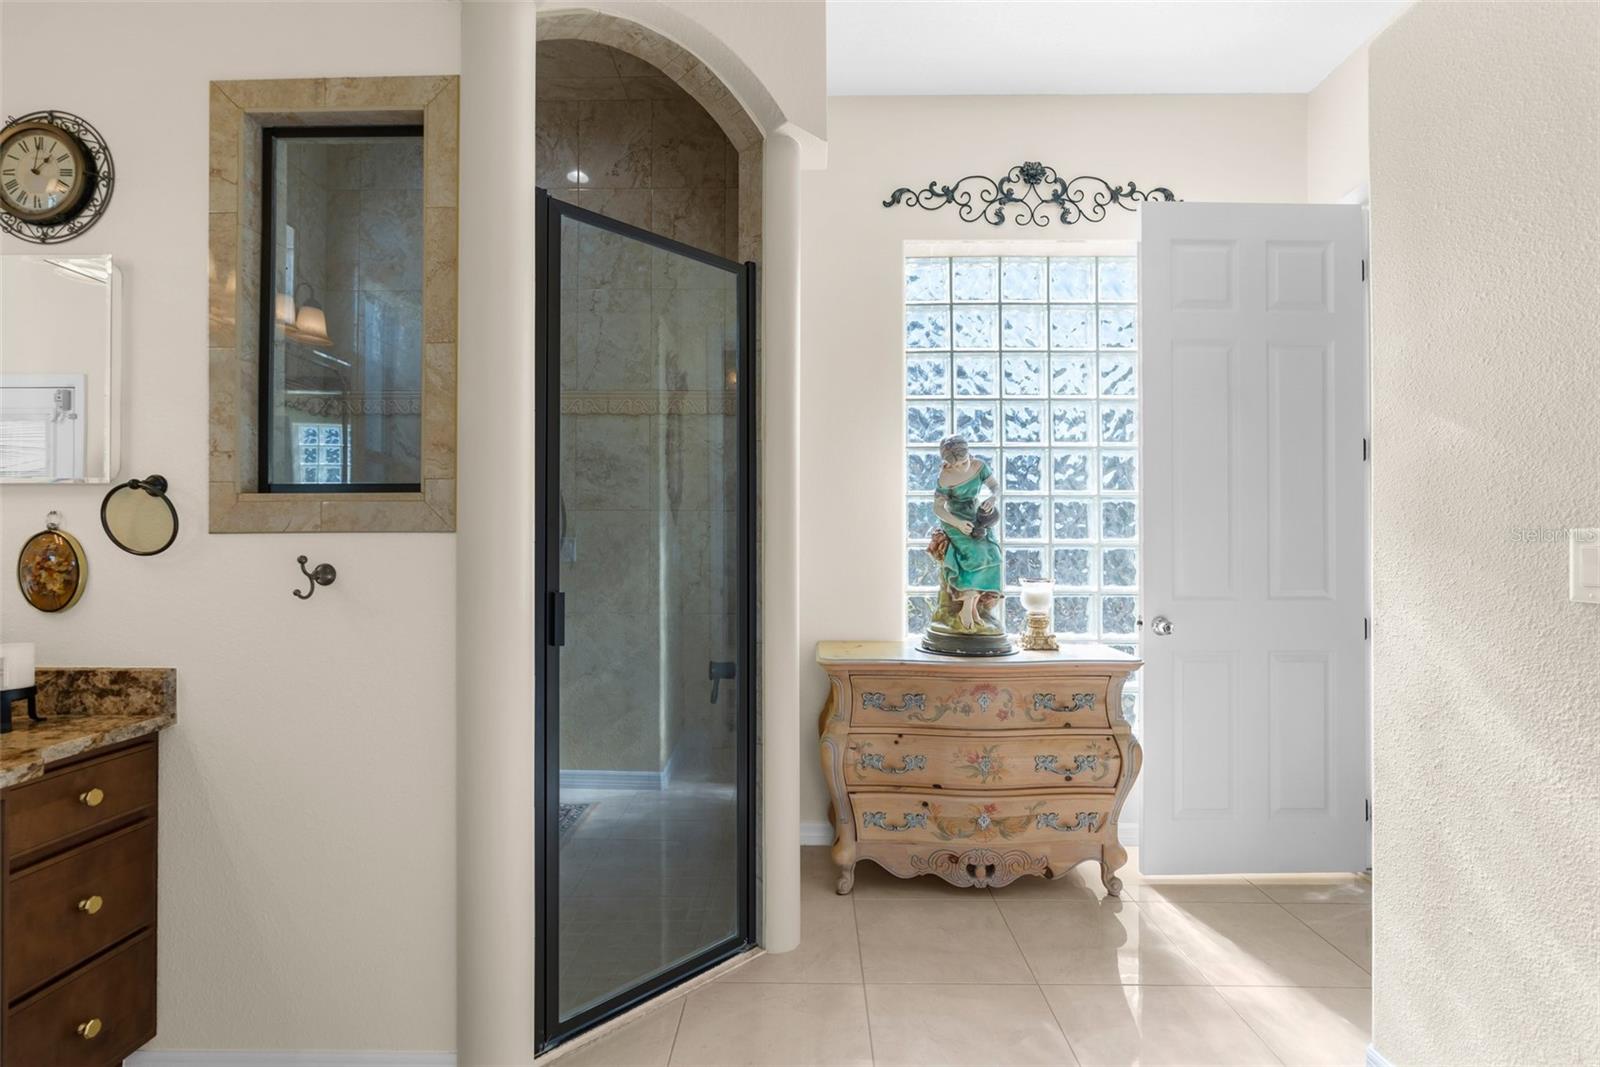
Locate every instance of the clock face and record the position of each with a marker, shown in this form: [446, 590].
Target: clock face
[41, 173]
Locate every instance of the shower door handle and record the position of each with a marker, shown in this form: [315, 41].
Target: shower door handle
[557, 630]
[721, 671]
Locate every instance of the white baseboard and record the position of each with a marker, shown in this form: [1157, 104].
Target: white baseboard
[1375, 1058]
[186, 1058]
[821, 833]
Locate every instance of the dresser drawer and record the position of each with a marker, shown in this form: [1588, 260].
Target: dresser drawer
[983, 761]
[957, 704]
[79, 798]
[92, 1019]
[977, 818]
[62, 911]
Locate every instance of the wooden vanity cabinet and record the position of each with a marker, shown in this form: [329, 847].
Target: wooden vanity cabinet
[78, 910]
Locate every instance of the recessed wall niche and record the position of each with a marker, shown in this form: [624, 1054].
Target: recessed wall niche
[335, 317]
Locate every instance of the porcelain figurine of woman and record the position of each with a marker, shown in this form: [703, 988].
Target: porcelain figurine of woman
[967, 619]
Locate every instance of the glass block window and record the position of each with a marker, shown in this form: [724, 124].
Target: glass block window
[1034, 359]
[319, 453]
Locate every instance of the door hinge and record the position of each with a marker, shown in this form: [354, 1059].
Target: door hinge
[1366, 628]
[1369, 809]
[1363, 270]
[1366, 449]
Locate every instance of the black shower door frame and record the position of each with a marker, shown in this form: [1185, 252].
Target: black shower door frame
[550, 1028]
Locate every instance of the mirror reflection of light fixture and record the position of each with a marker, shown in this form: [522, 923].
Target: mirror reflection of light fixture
[309, 321]
[577, 177]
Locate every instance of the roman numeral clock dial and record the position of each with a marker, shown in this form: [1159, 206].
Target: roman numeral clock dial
[47, 176]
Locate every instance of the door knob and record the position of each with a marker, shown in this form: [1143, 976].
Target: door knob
[1161, 625]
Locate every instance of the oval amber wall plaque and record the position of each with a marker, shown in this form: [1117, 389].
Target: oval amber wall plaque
[52, 570]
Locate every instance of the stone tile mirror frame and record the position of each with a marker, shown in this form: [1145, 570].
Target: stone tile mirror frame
[239, 110]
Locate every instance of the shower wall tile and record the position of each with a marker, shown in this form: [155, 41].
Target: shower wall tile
[650, 88]
[607, 462]
[613, 340]
[686, 484]
[614, 144]
[618, 709]
[394, 164]
[556, 142]
[569, 59]
[693, 216]
[391, 239]
[617, 565]
[688, 149]
[606, 260]
[695, 328]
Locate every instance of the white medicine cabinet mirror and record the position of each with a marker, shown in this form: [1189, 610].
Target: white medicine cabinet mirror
[60, 368]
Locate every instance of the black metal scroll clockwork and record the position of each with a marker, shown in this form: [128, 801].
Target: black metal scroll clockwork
[1029, 194]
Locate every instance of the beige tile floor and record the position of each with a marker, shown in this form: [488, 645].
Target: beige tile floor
[1181, 971]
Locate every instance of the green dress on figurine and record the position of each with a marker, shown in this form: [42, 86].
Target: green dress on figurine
[972, 562]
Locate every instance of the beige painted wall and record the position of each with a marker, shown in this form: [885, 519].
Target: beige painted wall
[1249, 148]
[308, 840]
[1336, 132]
[1485, 249]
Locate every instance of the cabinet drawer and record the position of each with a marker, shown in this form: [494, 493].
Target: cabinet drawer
[951, 703]
[977, 818]
[984, 761]
[62, 911]
[54, 1028]
[79, 798]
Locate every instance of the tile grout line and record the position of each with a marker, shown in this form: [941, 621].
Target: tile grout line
[677, 1028]
[1211, 985]
[1240, 1016]
[1366, 967]
[1037, 985]
[861, 967]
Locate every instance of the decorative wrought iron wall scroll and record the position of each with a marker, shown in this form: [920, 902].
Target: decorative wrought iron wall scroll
[1029, 194]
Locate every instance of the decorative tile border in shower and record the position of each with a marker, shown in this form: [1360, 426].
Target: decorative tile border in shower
[685, 402]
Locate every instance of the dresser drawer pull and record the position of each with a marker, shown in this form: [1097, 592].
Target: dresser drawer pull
[91, 905]
[92, 799]
[914, 820]
[1090, 821]
[91, 1029]
[874, 761]
[1045, 703]
[1080, 764]
[911, 704]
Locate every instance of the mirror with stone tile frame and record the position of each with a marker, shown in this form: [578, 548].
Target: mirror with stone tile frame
[333, 305]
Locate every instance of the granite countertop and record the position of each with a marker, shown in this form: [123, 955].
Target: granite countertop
[85, 708]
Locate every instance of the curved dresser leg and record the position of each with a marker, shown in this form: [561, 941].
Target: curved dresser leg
[1112, 857]
[847, 878]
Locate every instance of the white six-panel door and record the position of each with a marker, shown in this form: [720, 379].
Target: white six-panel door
[1255, 703]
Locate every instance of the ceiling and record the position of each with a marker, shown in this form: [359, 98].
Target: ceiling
[985, 47]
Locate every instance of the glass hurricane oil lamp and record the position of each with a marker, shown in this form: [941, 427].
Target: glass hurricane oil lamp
[1036, 599]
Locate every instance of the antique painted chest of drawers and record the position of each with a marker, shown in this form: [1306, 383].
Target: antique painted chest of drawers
[979, 771]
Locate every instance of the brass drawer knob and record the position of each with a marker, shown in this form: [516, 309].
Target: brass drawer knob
[92, 798]
[90, 1029]
[92, 905]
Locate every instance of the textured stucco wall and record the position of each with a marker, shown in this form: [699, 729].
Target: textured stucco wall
[1485, 249]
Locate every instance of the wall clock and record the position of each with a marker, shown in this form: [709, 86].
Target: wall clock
[56, 176]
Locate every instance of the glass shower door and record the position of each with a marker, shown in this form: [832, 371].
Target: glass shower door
[645, 514]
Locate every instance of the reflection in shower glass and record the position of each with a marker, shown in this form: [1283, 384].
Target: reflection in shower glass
[342, 310]
[650, 852]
